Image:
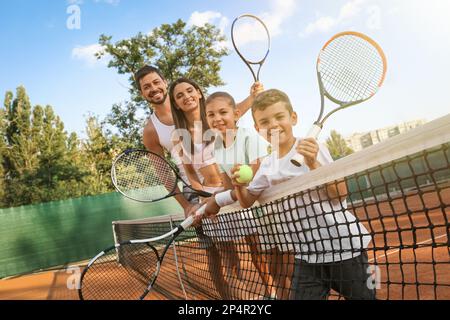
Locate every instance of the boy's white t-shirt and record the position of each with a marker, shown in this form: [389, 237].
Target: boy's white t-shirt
[319, 231]
[247, 147]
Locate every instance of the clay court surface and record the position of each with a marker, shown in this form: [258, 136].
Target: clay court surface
[414, 262]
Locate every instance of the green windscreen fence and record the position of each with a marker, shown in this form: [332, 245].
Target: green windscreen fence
[52, 234]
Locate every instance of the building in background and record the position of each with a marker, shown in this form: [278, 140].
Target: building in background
[359, 141]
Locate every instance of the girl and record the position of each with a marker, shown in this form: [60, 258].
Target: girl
[235, 145]
[195, 143]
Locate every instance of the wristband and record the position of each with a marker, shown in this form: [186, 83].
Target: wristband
[224, 198]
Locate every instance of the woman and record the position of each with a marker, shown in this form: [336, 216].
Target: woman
[187, 103]
[195, 142]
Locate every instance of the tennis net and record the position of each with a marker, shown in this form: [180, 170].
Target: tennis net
[387, 237]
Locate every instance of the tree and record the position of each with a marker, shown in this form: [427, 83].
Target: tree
[125, 119]
[36, 157]
[56, 170]
[2, 155]
[98, 152]
[177, 50]
[20, 158]
[337, 146]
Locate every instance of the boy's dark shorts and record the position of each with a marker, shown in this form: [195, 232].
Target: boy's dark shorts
[349, 278]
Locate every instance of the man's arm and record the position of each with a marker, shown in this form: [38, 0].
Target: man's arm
[151, 142]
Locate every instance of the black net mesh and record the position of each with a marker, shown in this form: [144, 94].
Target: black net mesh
[143, 176]
[386, 238]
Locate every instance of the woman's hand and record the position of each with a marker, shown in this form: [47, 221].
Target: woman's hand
[256, 89]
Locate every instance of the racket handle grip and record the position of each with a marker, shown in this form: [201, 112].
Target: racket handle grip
[298, 160]
[190, 220]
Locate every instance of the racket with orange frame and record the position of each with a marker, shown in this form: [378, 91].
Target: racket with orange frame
[351, 68]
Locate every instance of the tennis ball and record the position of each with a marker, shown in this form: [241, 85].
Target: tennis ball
[245, 174]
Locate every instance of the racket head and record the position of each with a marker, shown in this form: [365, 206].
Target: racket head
[143, 176]
[122, 272]
[251, 40]
[351, 68]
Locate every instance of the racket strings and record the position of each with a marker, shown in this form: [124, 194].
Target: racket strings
[141, 175]
[122, 273]
[360, 66]
[350, 68]
[347, 80]
[352, 81]
[251, 39]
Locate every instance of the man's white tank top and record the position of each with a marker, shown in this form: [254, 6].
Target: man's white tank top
[164, 134]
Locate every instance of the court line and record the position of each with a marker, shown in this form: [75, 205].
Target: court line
[397, 250]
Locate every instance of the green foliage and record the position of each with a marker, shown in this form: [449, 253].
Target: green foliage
[337, 146]
[3, 151]
[98, 154]
[125, 120]
[193, 52]
[40, 162]
[177, 50]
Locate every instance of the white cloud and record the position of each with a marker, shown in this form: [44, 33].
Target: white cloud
[213, 17]
[87, 54]
[350, 9]
[322, 24]
[347, 13]
[430, 17]
[280, 11]
[199, 19]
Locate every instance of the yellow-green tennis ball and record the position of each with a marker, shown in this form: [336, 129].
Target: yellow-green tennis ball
[245, 174]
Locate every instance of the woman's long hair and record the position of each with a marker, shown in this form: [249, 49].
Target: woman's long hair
[179, 117]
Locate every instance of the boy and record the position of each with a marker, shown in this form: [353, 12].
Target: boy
[328, 242]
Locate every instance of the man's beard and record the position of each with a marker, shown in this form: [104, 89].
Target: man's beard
[161, 101]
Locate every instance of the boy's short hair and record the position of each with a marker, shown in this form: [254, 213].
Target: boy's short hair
[270, 97]
[221, 95]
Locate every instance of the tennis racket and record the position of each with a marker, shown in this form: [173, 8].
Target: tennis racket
[145, 176]
[251, 40]
[351, 68]
[128, 271]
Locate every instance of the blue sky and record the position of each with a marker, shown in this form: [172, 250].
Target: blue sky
[55, 63]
